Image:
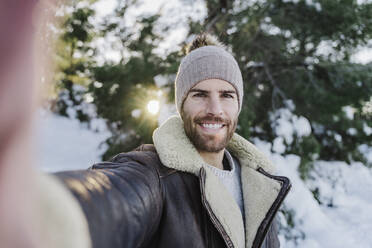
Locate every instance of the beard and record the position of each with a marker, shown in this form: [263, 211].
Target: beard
[205, 142]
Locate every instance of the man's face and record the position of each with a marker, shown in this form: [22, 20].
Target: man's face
[210, 114]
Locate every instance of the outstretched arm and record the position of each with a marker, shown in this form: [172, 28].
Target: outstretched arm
[122, 202]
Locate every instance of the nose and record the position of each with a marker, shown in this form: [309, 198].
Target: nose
[214, 106]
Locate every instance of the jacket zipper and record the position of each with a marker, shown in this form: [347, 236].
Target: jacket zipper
[213, 217]
[266, 222]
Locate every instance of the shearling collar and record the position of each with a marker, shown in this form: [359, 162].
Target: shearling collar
[176, 150]
[259, 192]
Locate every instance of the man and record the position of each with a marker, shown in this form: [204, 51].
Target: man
[199, 185]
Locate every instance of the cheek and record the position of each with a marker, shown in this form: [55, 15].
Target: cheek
[192, 108]
[231, 109]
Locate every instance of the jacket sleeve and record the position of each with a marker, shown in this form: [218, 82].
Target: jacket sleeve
[122, 202]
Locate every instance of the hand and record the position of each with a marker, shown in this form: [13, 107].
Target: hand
[17, 225]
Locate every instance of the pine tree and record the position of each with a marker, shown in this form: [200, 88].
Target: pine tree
[296, 55]
[118, 90]
[74, 58]
[123, 89]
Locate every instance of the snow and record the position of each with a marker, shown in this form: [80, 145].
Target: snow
[173, 14]
[346, 188]
[278, 145]
[351, 131]
[166, 110]
[363, 56]
[163, 80]
[286, 125]
[366, 150]
[104, 8]
[349, 112]
[317, 6]
[301, 126]
[350, 189]
[136, 113]
[367, 108]
[66, 144]
[367, 130]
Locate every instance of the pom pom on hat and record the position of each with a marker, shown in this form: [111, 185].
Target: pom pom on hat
[204, 39]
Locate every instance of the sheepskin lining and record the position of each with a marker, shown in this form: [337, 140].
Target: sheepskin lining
[259, 194]
[225, 208]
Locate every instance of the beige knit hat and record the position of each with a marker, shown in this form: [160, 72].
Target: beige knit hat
[209, 60]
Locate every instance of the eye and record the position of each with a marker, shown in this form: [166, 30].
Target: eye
[227, 95]
[200, 94]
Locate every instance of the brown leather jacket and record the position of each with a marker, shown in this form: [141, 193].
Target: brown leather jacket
[164, 195]
[135, 201]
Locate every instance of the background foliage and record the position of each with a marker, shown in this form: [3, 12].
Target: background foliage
[296, 58]
[294, 55]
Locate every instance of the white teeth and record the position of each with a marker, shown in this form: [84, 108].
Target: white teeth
[214, 126]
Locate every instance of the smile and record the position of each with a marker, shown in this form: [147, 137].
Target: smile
[213, 126]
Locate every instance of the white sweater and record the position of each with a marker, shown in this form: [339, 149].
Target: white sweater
[231, 179]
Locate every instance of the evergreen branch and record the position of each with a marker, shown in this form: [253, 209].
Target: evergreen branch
[276, 90]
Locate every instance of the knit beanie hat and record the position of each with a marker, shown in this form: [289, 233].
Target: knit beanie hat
[207, 59]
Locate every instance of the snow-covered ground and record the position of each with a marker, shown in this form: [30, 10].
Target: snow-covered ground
[344, 219]
[66, 144]
[341, 215]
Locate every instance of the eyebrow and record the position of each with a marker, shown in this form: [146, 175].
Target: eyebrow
[206, 91]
